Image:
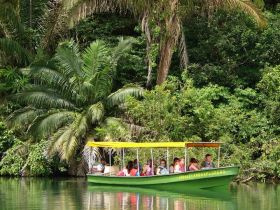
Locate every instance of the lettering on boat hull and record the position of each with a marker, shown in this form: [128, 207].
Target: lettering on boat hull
[200, 175]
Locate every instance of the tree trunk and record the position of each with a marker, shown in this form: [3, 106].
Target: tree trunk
[166, 53]
[169, 40]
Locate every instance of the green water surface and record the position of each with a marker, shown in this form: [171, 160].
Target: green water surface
[72, 194]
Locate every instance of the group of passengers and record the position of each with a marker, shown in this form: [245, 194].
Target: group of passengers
[134, 168]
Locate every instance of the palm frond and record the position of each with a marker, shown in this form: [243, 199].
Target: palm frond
[48, 123]
[56, 80]
[43, 98]
[246, 6]
[103, 83]
[57, 141]
[80, 125]
[80, 9]
[95, 112]
[69, 148]
[23, 117]
[184, 59]
[123, 46]
[69, 139]
[91, 155]
[18, 53]
[52, 25]
[120, 95]
[95, 57]
[68, 57]
[45, 75]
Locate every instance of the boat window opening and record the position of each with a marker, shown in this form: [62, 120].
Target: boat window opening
[185, 159]
[167, 157]
[123, 162]
[110, 160]
[152, 158]
[219, 154]
[138, 166]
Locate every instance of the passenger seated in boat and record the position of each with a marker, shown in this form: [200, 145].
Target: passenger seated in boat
[101, 166]
[134, 171]
[171, 168]
[126, 170]
[193, 166]
[135, 163]
[182, 164]
[162, 170]
[207, 163]
[177, 165]
[148, 169]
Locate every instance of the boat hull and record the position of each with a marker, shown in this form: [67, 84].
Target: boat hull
[180, 182]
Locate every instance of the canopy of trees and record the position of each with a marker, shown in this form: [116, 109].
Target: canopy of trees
[135, 71]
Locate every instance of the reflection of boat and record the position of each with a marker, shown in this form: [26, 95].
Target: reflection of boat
[221, 194]
[181, 182]
[148, 199]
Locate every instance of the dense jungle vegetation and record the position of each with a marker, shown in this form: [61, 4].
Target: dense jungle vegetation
[127, 70]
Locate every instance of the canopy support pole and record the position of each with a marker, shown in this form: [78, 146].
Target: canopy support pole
[138, 167]
[110, 159]
[152, 158]
[185, 159]
[167, 158]
[123, 158]
[219, 153]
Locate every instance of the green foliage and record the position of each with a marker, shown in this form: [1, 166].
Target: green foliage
[159, 112]
[38, 163]
[179, 111]
[70, 91]
[11, 81]
[68, 99]
[230, 50]
[12, 162]
[132, 67]
[7, 138]
[113, 129]
[26, 159]
[269, 87]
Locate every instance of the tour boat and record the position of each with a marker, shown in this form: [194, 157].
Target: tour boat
[180, 182]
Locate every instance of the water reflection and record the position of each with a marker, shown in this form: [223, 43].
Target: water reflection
[76, 194]
[135, 199]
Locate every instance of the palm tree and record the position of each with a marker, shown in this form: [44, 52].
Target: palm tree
[166, 14]
[70, 95]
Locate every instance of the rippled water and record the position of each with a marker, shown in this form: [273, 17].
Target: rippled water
[72, 194]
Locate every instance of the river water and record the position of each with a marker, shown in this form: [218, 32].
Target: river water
[75, 194]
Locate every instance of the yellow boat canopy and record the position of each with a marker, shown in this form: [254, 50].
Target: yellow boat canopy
[151, 144]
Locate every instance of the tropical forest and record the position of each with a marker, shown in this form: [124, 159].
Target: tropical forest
[73, 71]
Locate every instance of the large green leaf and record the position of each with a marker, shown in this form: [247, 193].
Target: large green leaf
[40, 98]
[21, 118]
[120, 95]
[12, 49]
[68, 57]
[46, 124]
[102, 83]
[95, 112]
[55, 80]
[95, 58]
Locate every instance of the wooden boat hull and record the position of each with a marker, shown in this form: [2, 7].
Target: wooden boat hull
[174, 182]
